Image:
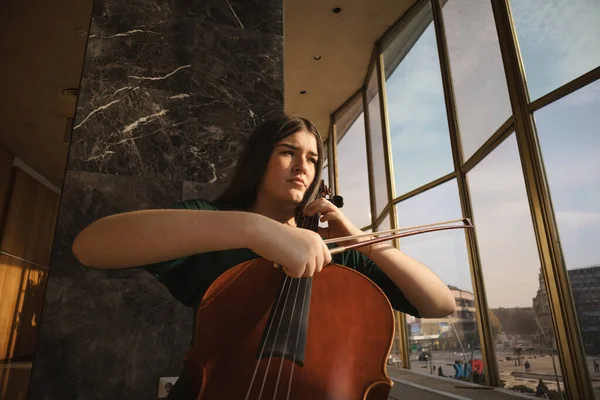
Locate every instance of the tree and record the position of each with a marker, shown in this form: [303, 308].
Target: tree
[517, 320]
[495, 323]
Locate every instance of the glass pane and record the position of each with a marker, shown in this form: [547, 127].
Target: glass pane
[478, 77]
[353, 176]
[385, 224]
[568, 134]
[379, 174]
[437, 344]
[516, 294]
[421, 149]
[559, 41]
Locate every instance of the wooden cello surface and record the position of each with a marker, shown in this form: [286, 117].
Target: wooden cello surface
[263, 335]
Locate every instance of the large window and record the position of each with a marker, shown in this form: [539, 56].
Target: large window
[353, 178]
[442, 346]
[478, 75]
[421, 149]
[515, 289]
[568, 134]
[559, 41]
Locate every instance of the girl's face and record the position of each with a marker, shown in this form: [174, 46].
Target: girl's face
[291, 169]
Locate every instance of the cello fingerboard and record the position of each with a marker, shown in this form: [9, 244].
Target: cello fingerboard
[285, 332]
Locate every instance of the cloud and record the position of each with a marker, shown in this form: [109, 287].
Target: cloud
[353, 175]
[444, 253]
[504, 229]
[586, 96]
[415, 92]
[409, 140]
[573, 169]
[510, 261]
[578, 219]
[558, 40]
[477, 71]
[499, 172]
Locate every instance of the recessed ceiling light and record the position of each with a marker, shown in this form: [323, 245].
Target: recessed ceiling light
[316, 58]
[337, 10]
[68, 93]
[303, 92]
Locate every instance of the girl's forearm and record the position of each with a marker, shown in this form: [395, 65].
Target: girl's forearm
[421, 286]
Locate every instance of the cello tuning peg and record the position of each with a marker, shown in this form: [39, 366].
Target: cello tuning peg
[338, 201]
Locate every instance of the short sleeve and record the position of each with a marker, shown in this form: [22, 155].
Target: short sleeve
[167, 270]
[361, 263]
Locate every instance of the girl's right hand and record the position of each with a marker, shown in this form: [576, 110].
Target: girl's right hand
[300, 252]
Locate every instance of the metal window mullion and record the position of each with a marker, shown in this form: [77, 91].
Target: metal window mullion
[381, 217]
[564, 317]
[494, 141]
[330, 166]
[492, 376]
[387, 148]
[368, 141]
[403, 342]
[425, 187]
[334, 157]
[566, 89]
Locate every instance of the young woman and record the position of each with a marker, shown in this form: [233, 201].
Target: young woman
[274, 186]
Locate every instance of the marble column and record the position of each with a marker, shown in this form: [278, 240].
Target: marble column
[170, 91]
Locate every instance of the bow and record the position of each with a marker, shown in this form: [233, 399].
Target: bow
[398, 233]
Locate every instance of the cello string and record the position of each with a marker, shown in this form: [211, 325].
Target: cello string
[303, 221]
[288, 335]
[314, 222]
[297, 341]
[275, 340]
[262, 351]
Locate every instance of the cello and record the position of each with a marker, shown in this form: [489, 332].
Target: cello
[271, 336]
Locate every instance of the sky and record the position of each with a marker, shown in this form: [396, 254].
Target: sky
[558, 42]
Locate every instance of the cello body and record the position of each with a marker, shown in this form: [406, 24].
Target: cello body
[338, 353]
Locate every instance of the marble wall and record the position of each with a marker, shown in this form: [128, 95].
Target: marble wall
[169, 92]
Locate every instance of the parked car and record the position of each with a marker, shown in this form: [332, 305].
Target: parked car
[424, 356]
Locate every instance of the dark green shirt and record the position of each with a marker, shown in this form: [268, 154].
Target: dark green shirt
[188, 278]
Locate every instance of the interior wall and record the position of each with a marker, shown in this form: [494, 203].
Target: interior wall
[6, 162]
[30, 219]
[169, 94]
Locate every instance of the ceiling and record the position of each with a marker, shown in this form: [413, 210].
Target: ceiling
[345, 43]
[43, 46]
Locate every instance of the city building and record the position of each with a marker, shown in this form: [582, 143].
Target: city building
[585, 287]
[458, 331]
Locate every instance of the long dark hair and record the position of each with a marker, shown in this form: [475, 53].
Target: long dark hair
[252, 164]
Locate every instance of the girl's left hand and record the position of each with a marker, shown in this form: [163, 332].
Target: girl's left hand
[338, 223]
